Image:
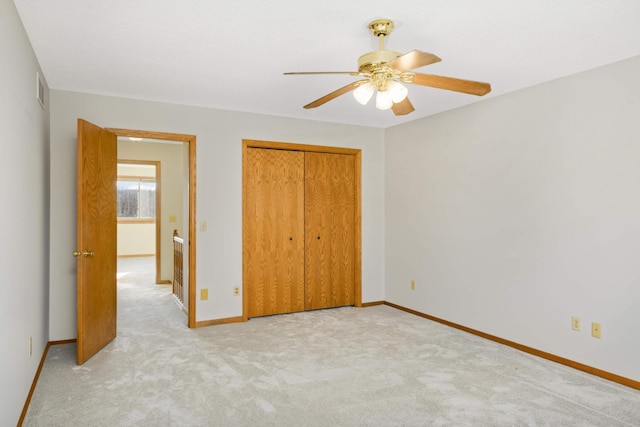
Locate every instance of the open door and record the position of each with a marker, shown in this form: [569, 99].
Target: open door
[96, 252]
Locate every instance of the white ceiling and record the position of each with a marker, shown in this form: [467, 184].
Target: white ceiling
[231, 54]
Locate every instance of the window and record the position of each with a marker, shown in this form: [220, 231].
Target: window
[136, 198]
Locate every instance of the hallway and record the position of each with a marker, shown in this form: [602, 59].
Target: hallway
[140, 300]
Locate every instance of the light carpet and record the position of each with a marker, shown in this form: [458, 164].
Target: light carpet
[341, 367]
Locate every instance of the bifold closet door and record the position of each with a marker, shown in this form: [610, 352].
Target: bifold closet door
[275, 231]
[329, 230]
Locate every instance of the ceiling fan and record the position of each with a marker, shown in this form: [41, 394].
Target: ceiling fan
[386, 71]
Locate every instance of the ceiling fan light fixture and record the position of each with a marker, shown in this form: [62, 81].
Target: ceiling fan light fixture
[383, 100]
[364, 92]
[389, 71]
[397, 91]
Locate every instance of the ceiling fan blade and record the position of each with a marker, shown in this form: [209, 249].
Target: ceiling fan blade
[450, 83]
[403, 107]
[413, 59]
[293, 73]
[336, 93]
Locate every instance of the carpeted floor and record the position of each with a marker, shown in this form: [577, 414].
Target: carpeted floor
[357, 367]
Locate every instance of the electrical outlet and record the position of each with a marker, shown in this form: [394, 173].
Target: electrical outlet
[203, 225]
[596, 330]
[413, 285]
[204, 294]
[575, 323]
[236, 290]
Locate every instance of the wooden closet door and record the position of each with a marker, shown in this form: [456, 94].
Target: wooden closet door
[343, 202]
[330, 230]
[275, 231]
[317, 231]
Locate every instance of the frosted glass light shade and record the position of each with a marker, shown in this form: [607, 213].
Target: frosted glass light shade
[383, 100]
[363, 93]
[398, 91]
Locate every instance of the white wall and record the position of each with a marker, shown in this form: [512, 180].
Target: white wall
[132, 169]
[185, 225]
[515, 213]
[172, 198]
[137, 239]
[24, 195]
[218, 190]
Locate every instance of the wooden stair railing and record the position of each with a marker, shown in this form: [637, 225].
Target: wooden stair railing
[178, 283]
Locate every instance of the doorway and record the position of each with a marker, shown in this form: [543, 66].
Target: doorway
[96, 252]
[189, 144]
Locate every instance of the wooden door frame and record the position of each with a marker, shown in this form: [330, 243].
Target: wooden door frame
[191, 141]
[158, 220]
[357, 153]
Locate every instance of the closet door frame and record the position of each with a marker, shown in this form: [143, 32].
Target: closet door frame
[246, 144]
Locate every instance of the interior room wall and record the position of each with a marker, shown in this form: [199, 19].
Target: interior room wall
[24, 214]
[518, 212]
[171, 185]
[218, 190]
[137, 240]
[132, 169]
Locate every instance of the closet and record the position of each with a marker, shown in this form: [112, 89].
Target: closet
[301, 228]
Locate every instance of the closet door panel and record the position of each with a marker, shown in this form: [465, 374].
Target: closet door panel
[289, 219]
[275, 203]
[343, 200]
[317, 231]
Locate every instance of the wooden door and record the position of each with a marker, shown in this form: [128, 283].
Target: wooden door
[330, 230]
[97, 173]
[343, 202]
[274, 223]
[317, 230]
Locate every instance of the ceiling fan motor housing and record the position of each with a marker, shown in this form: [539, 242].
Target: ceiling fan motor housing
[374, 61]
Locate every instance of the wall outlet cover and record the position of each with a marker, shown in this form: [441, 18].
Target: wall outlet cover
[575, 323]
[596, 330]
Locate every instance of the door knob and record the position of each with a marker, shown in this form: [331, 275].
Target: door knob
[85, 253]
